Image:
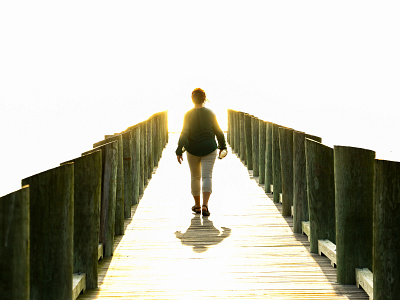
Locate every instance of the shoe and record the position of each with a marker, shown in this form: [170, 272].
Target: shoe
[197, 210]
[206, 212]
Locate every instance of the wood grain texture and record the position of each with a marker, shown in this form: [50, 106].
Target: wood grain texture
[354, 181]
[14, 245]
[87, 203]
[51, 232]
[286, 148]
[242, 149]
[276, 162]
[269, 173]
[244, 250]
[386, 264]
[320, 193]
[300, 200]
[119, 197]
[248, 142]
[261, 150]
[255, 145]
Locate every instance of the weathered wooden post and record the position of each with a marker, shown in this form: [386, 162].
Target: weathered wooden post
[150, 163]
[242, 150]
[144, 137]
[286, 153]
[276, 163]
[119, 197]
[237, 132]
[234, 131]
[300, 198]
[128, 180]
[136, 163]
[255, 145]
[269, 167]
[248, 142]
[143, 173]
[354, 180]
[155, 140]
[87, 199]
[386, 231]
[14, 241]
[108, 195]
[261, 151]
[320, 192]
[51, 232]
[166, 126]
[228, 135]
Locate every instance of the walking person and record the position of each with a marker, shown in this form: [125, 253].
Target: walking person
[200, 127]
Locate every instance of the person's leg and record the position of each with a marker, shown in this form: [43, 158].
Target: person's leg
[195, 172]
[207, 165]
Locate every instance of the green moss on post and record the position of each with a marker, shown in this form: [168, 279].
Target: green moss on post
[255, 145]
[261, 151]
[386, 232]
[14, 241]
[286, 148]
[354, 180]
[269, 169]
[276, 163]
[51, 233]
[321, 193]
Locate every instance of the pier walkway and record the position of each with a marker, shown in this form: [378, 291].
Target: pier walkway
[244, 250]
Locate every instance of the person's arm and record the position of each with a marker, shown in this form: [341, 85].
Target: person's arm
[183, 138]
[219, 134]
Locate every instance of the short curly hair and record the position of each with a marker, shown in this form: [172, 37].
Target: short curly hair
[198, 96]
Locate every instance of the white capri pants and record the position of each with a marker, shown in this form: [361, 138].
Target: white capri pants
[201, 167]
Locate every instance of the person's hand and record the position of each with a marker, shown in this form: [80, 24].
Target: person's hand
[180, 158]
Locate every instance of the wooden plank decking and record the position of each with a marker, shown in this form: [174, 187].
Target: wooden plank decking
[244, 250]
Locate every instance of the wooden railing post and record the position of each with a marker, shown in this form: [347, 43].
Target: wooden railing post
[242, 150]
[255, 145]
[51, 232]
[150, 162]
[87, 200]
[228, 134]
[261, 151]
[136, 163]
[128, 178]
[286, 152]
[235, 122]
[354, 179]
[14, 245]
[276, 163]
[119, 197]
[108, 194]
[300, 198]
[321, 193]
[269, 169]
[248, 142]
[386, 260]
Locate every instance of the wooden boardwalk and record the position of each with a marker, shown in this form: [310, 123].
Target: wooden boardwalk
[244, 250]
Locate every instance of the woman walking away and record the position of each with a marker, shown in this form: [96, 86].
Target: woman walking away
[200, 127]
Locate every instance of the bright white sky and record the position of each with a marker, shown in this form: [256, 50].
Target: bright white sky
[71, 72]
